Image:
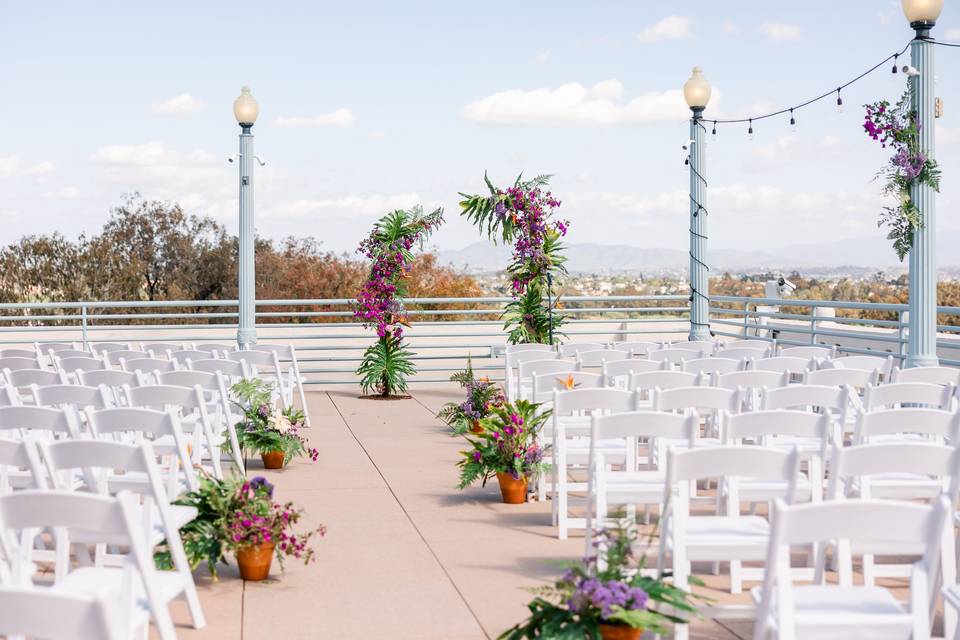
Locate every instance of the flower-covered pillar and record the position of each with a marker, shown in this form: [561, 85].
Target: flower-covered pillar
[696, 91]
[922, 345]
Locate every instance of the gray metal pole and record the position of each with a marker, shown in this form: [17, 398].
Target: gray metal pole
[246, 325]
[699, 277]
[922, 346]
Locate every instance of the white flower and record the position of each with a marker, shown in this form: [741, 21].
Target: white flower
[279, 422]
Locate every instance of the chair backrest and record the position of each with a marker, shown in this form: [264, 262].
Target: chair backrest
[70, 365]
[162, 347]
[535, 367]
[782, 364]
[869, 363]
[214, 347]
[109, 378]
[674, 355]
[57, 614]
[286, 351]
[625, 368]
[887, 422]
[101, 348]
[754, 343]
[73, 353]
[574, 348]
[597, 357]
[27, 419]
[585, 400]
[762, 463]
[77, 396]
[530, 346]
[751, 380]
[645, 424]
[183, 378]
[917, 458]
[228, 368]
[710, 365]
[115, 357]
[856, 378]
[896, 394]
[47, 347]
[27, 377]
[256, 358]
[148, 365]
[16, 455]
[810, 352]
[705, 347]
[930, 375]
[650, 380]
[807, 396]
[767, 425]
[713, 399]
[182, 355]
[161, 396]
[88, 455]
[514, 359]
[744, 353]
[637, 347]
[18, 353]
[545, 384]
[16, 364]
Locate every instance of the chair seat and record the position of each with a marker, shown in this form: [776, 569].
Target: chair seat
[644, 487]
[111, 583]
[726, 537]
[832, 612]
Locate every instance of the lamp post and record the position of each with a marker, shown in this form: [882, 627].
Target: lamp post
[246, 110]
[696, 91]
[922, 342]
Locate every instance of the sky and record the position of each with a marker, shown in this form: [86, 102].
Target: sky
[367, 106]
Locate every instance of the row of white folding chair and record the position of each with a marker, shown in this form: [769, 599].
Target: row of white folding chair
[142, 592]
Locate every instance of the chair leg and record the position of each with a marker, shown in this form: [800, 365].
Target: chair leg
[193, 603]
[869, 571]
[736, 576]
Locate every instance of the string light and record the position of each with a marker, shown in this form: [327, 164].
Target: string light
[894, 70]
[750, 130]
[714, 132]
[839, 102]
[699, 209]
[793, 122]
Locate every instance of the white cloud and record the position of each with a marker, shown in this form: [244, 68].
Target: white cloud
[345, 205]
[951, 34]
[780, 31]
[829, 141]
[9, 166]
[180, 106]
[670, 28]
[42, 168]
[776, 149]
[577, 105]
[340, 118]
[66, 193]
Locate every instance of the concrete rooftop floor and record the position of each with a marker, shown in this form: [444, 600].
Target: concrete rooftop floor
[406, 556]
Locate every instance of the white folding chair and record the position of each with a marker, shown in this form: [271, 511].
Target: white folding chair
[295, 380]
[513, 360]
[14, 363]
[784, 364]
[893, 471]
[843, 611]
[102, 348]
[901, 394]
[569, 432]
[745, 353]
[20, 353]
[544, 384]
[839, 377]
[882, 365]
[728, 536]
[266, 366]
[832, 401]
[712, 365]
[117, 356]
[595, 359]
[633, 485]
[618, 373]
[22, 380]
[16, 461]
[810, 352]
[573, 349]
[148, 369]
[163, 347]
[191, 406]
[645, 383]
[674, 357]
[751, 383]
[753, 343]
[218, 397]
[713, 404]
[907, 424]
[71, 353]
[112, 467]
[112, 380]
[231, 371]
[162, 428]
[218, 349]
[17, 422]
[90, 517]
[181, 356]
[72, 367]
[529, 368]
[704, 347]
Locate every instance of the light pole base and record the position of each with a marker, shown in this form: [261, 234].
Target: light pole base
[246, 338]
[700, 334]
[922, 360]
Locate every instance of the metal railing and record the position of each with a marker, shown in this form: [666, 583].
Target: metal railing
[446, 331]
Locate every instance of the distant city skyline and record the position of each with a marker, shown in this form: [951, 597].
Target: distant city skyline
[373, 106]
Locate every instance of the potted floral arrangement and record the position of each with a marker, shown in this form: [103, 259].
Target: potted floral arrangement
[609, 600]
[525, 215]
[507, 448]
[273, 433]
[482, 397]
[387, 363]
[241, 516]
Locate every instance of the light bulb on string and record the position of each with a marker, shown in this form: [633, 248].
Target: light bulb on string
[793, 122]
[894, 71]
[714, 132]
[839, 102]
[750, 131]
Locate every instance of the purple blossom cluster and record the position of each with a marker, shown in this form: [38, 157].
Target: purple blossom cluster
[897, 128]
[377, 305]
[512, 443]
[532, 214]
[591, 593]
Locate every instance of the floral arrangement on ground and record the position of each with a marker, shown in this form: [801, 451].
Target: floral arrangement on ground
[265, 429]
[482, 396]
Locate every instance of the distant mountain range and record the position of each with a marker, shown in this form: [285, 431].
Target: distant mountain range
[858, 254]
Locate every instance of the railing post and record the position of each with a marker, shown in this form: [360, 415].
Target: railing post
[813, 324]
[746, 316]
[83, 325]
[901, 343]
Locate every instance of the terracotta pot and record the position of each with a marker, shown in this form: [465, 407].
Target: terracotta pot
[619, 632]
[475, 427]
[513, 491]
[254, 561]
[272, 459]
